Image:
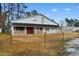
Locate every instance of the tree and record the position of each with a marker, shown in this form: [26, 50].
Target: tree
[67, 21]
[21, 10]
[12, 11]
[28, 13]
[18, 10]
[76, 23]
[34, 12]
[0, 9]
[1, 17]
[72, 22]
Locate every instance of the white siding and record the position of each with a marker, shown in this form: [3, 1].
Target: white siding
[53, 31]
[48, 30]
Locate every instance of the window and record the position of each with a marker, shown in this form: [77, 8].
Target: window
[39, 30]
[18, 28]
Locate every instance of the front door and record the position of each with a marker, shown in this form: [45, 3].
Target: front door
[30, 30]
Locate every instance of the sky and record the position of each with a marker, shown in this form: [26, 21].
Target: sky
[56, 11]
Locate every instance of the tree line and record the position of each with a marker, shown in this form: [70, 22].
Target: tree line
[72, 22]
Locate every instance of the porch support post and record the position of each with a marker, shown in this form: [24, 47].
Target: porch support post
[35, 30]
[25, 31]
[12, 30]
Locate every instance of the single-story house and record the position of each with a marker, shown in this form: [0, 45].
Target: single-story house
[35, 24]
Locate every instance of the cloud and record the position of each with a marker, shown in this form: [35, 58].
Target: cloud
[67, 9]
[54, 9]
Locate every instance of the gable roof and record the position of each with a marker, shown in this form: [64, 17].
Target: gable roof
[35, 19]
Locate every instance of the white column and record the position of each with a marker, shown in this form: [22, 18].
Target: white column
[35, 30]
[12, 30]
[25, 31]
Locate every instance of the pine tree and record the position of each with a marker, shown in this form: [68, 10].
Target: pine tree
[34, 12]
[28, 13]
[0, 14]
[1, 17]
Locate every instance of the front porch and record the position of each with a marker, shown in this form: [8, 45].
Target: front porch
[27, 30]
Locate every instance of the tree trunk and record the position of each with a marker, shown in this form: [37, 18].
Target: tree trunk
[1, 17]
[18, 10]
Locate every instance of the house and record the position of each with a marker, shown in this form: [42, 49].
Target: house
[35, 24]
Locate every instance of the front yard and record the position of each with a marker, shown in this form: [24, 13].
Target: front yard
[16, 47]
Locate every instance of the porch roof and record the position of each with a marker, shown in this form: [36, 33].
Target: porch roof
[37, 25]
